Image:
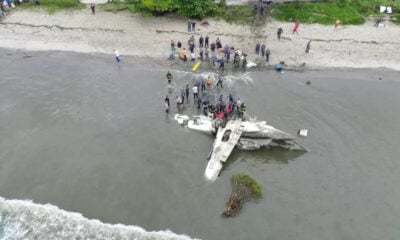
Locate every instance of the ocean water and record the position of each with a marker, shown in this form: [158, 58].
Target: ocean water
[21, 219]
[85, 138]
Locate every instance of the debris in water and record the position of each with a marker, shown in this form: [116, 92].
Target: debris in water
[303, 132]
[244, 189]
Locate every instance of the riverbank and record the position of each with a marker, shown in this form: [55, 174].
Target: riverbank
[351, 46]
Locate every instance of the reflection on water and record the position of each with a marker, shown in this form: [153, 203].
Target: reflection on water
[270, 155]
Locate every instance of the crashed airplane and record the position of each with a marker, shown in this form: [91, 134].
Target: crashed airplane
[245, 135]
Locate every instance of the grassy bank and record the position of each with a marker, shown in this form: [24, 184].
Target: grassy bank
[348, 11]
[52, 6]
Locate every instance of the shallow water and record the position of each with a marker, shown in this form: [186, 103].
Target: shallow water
[90, 136]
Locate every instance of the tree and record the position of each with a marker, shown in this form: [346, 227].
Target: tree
[196, 9]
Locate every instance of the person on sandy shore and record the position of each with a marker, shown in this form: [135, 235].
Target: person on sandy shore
[279, 32]
[117, 57]
[258, 49]
[193, 25]
[296, 27]
[93, 8]
[267, 53]
[183, 55]
[206, 42]
[201, 41]
[189, 25]
[337, 23]
[263, 50]
[308, 46]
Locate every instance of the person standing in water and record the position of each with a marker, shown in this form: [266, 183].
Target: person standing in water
[169, 77]
[219, 83]
[187, 93]
[166, 102]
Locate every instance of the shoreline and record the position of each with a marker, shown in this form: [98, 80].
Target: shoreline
[132, 35]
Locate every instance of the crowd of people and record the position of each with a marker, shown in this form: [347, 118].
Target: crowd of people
[217, 54]
[201, 90]
[7, 5]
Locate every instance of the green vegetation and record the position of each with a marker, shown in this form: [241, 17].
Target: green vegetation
[55, 5]
[241, 14]
[117, 6]
[244, 189]
[348, 11]
[323, 13]
[184, 8]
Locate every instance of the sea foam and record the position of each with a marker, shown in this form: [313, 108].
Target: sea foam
[23, 219]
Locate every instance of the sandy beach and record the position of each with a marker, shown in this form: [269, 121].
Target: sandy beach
[348, 46]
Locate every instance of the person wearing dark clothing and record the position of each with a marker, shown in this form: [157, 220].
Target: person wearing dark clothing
[258, 49]
[193, 25]
[166, 102]
[263, 50]
[203, 85]
[206, 55]
[169, 77]
[201, 41]
[189, 24]
[92, 6]
[201, 54]
[308, 46]
[219, 83]
[255, 7]
[179, 44]
[199, 103]
[262, 9]
[230, 98]
[227, 51]
[187, 93]
[267, 53]
[222, 65]
[280, 31]
[218, 43]
[206, 42]
[378, 21]
[212, 47]
[205, 107]
[214, 59]
[191, 48]
[236, 59]
[173, 46]
[183, 95]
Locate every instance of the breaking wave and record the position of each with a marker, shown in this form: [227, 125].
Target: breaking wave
[21, 219]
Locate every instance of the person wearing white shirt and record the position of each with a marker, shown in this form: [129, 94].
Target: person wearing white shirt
[195, 92]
